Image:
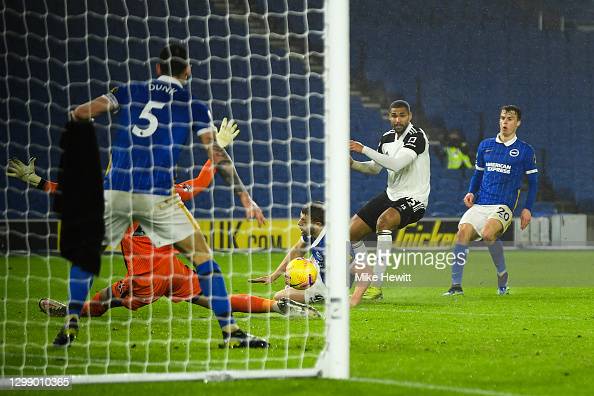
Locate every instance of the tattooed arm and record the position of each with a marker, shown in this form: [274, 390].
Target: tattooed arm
[227, 170]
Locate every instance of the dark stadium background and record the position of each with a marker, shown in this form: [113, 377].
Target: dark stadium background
[456, 62]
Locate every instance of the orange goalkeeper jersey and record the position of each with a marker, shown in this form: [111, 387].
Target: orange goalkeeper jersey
[141, 256]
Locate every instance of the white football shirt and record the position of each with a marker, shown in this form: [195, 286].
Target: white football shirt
[414, 180]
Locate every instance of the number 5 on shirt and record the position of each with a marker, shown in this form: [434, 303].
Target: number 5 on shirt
[147, 115]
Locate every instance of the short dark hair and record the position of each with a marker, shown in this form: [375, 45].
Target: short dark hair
[513, 108]
[400, 103]
[315, 211]
[174, 59]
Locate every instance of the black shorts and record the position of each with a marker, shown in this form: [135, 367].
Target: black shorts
[410, 210]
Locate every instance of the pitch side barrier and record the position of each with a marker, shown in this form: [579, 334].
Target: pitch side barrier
[564, 232]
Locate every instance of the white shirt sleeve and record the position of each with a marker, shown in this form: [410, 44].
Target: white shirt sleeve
[401, 160]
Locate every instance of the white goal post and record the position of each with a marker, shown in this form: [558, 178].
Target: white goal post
[337, 94]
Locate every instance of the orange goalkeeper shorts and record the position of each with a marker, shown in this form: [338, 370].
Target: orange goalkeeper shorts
[170, 278]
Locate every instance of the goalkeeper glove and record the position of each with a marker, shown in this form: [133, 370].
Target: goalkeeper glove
[24, 172]
[227, 132]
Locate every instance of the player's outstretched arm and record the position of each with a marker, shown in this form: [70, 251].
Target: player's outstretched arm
[367, 167]
[88, 111]
[296, 251]
[26, 173]
[526, 215]
[400, 160]
[252, 210]
[227, 133]
[16, 168]
[190, 188]
[227, 170]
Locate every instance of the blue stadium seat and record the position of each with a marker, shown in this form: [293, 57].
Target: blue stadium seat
[252, 93]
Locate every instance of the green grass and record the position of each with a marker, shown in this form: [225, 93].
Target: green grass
[538, 340]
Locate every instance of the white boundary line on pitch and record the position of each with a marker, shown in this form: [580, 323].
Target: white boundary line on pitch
[423, 385]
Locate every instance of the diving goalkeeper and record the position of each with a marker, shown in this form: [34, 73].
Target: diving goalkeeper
[155, 118]
[154, 272]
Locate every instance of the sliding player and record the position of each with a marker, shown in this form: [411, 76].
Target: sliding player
[501, 163]
[155, 272]
[313, 233]
[155, 118]
[404, 152]
[183, 285]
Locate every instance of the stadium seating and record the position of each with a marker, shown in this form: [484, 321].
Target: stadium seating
[462, 63]
[283, 121]
[280, 116]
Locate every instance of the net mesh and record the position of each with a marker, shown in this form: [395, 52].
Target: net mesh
[257, 62]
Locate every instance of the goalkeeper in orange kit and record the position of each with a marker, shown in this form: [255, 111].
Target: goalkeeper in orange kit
[155, 272]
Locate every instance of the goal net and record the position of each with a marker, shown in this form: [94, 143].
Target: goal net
[259, 62]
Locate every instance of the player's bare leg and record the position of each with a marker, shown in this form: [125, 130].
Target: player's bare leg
[213, 288]
[491, 232]
[465, 234]
[386, 222]
[362, 273]
[357, 231]
[195, 248]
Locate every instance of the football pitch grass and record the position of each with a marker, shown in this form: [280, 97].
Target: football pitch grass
[539, 340]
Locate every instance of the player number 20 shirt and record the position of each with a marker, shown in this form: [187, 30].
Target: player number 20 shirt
[504, 165]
